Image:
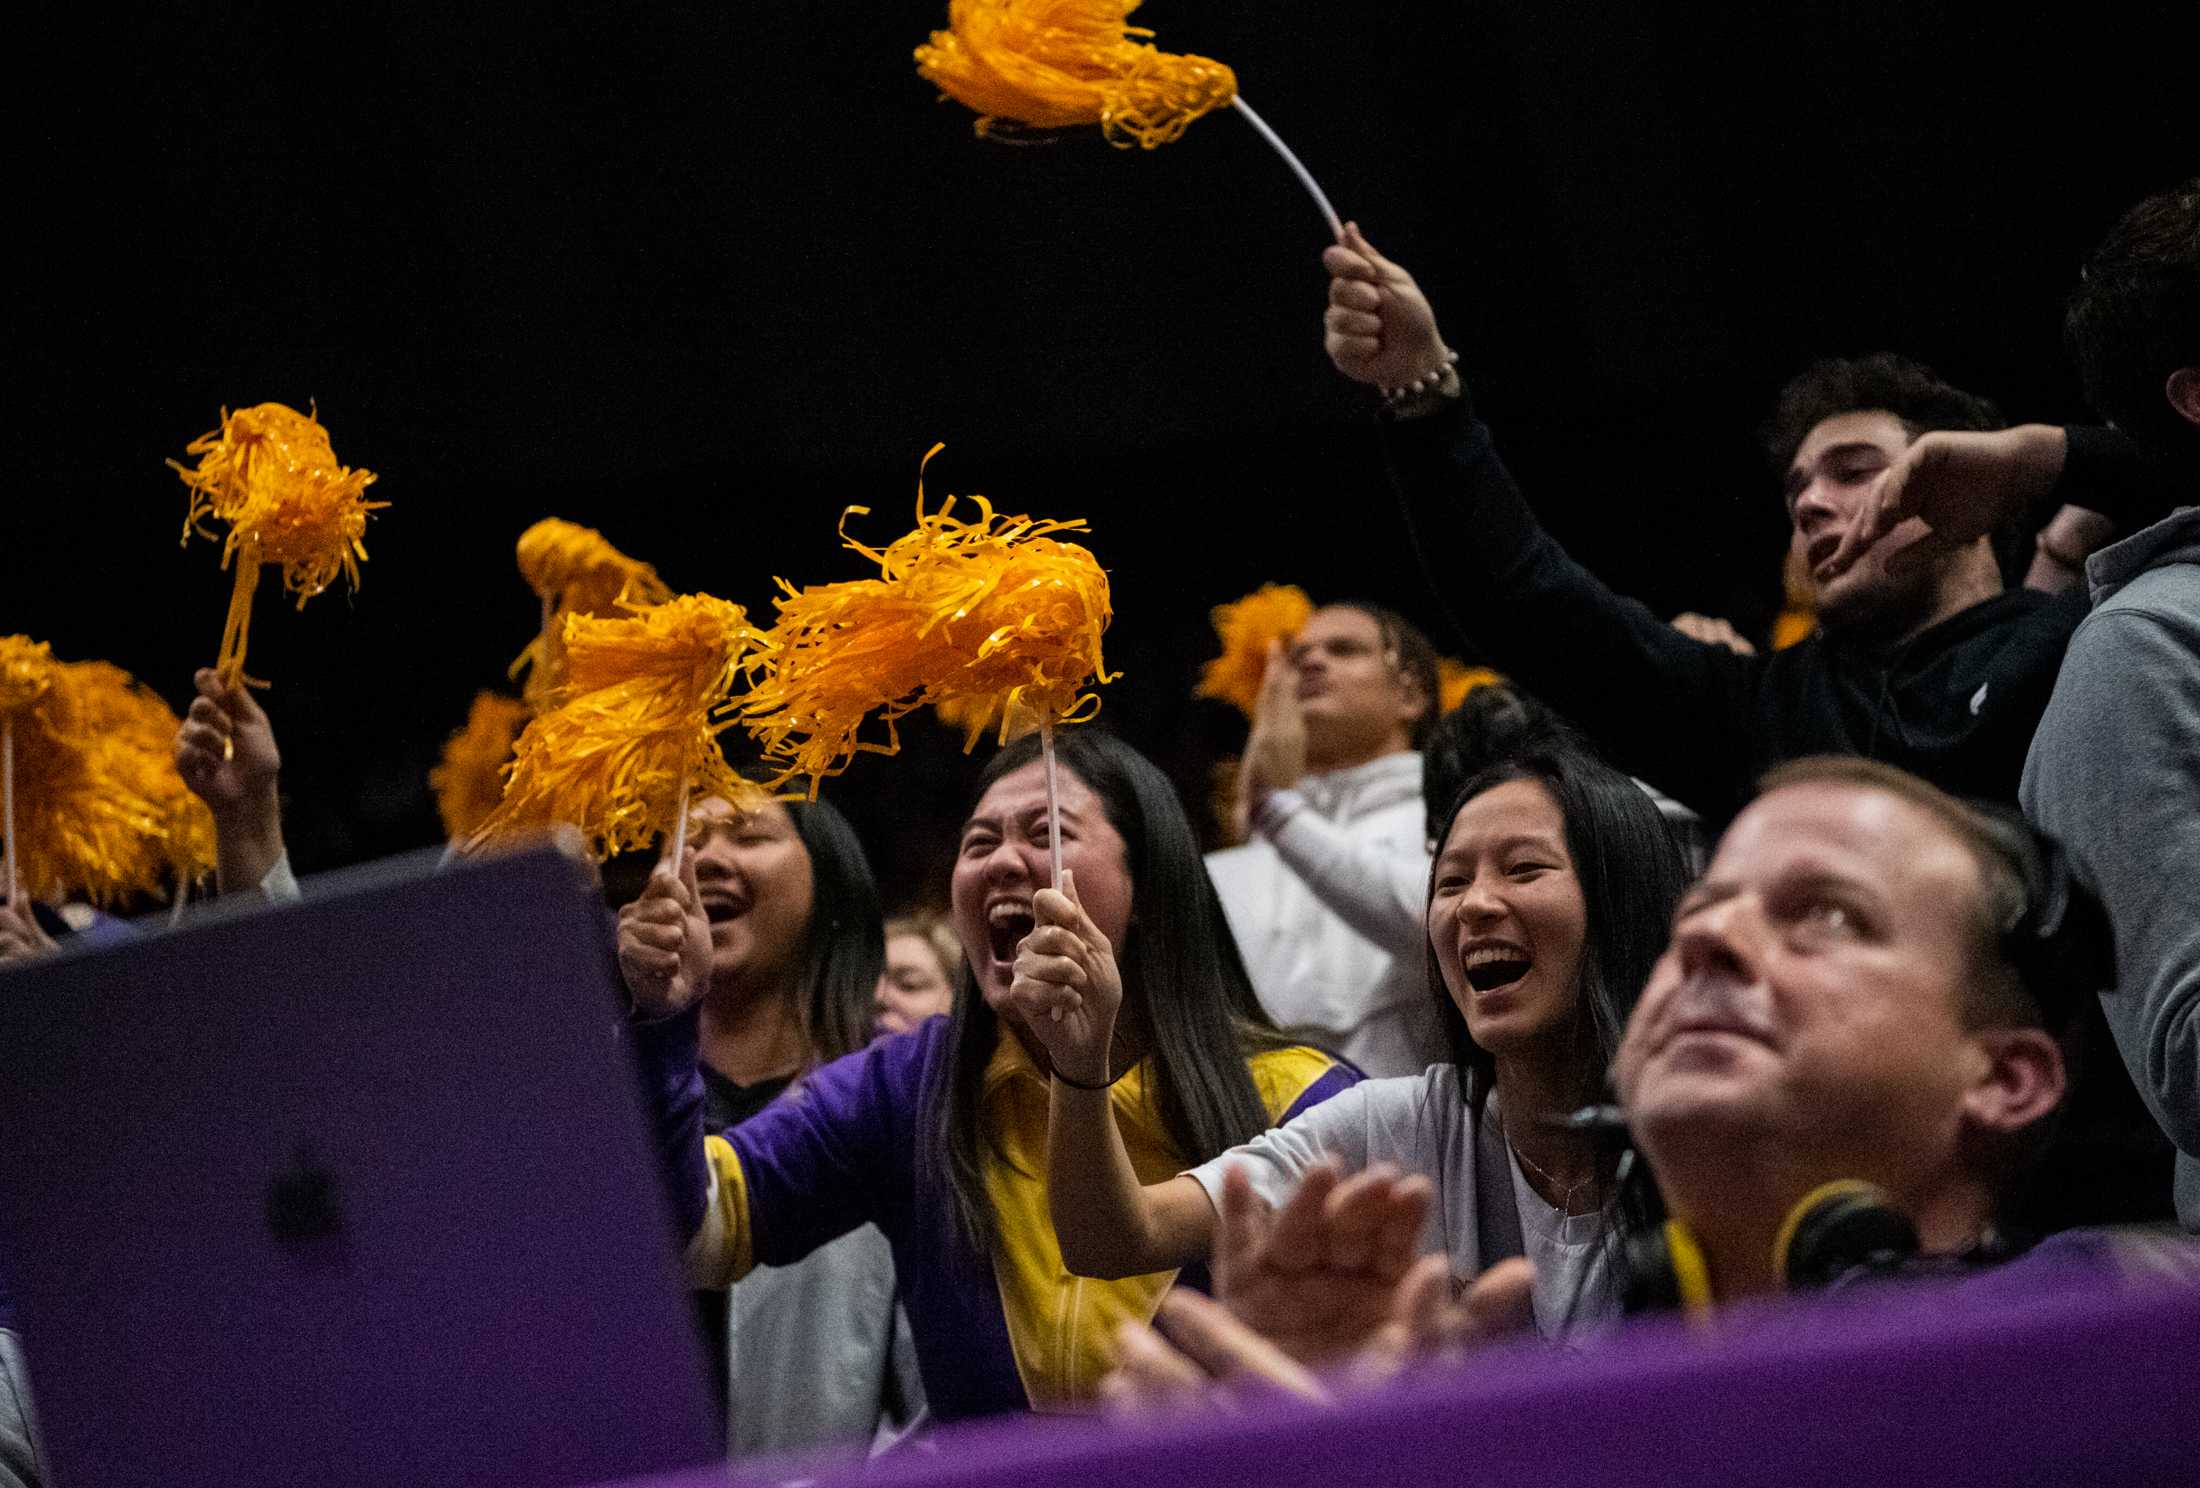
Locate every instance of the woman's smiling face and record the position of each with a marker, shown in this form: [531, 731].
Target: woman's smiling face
[1004, 860]
[1507, 918]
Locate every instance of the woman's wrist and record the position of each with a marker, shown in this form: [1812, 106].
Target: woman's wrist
[1104, 1083]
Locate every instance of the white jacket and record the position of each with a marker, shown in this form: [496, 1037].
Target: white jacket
[1327, 902]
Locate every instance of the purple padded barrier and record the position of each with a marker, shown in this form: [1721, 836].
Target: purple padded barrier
[348, 1192]
[1947, 1387]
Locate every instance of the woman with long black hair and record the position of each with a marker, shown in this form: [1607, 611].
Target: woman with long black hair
[939, 1136]
[1549, 900]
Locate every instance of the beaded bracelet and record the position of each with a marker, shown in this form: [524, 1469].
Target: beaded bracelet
[1392, 397]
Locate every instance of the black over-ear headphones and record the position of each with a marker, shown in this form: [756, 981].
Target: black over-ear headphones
[1840, 1232]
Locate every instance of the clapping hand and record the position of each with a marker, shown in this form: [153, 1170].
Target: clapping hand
[1275, 751]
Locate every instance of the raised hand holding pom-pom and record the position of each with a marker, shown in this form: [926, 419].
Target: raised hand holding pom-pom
[1068, 989]
[664, 942]
[1378, 328]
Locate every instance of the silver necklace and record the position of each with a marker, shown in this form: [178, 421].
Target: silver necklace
[1566, 1201]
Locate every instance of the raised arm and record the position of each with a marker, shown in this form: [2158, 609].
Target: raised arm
[1068, 992]
[1603, 660]
[1953, 486]
[799, 1173]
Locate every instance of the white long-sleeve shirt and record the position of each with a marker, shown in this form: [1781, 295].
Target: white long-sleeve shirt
[1327, 903]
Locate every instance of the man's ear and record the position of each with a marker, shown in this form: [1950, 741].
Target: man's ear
[1415, 705]
[2024, 1080]
[2183, 391]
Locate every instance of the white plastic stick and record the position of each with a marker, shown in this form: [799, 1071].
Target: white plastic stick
[1054, 801]
[680, 826]
[7, 802]
[1298, 167]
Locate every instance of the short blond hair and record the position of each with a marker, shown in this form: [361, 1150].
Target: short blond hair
[938, 937]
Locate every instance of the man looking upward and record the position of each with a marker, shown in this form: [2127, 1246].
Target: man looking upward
[1326, 898]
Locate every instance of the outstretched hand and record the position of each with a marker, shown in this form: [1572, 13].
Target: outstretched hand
[1329, 1282]
[1319, 1277]
[1378, 328]
[1949, 488]
[1067, 987]
[664, 941]
[1206, 1360]
[1713, 631]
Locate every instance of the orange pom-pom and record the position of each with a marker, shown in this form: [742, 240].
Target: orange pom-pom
[1455, 679]
[271, 475]
[100, 811]
[574, 570]
[1273, 612]
[469, 780]
[989, 619]
[644, 700]
[27, 670]
[1059, 64]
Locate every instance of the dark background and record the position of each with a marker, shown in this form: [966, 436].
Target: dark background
[701, 275]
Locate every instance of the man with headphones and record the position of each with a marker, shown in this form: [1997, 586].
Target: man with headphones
[1851, 1041]
[1849, 1047]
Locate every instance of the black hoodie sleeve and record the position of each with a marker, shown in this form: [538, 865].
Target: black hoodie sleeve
[2107, 471]
[1677, 712]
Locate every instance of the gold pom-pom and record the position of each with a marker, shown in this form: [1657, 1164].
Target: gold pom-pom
[100, 811]
[644, 699]
[574, 570]
[1059, 64]
[131, 733]
[992, 619]
[1273, 612]
[469, 780]
[1455, 679]
[27, 670]
[271, 475]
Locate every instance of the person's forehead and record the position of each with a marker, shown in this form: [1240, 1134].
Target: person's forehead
[1853, 830]
[1024, 789]
[717, 809]
[1336, 622]
[1514, 809]
[1871, 426]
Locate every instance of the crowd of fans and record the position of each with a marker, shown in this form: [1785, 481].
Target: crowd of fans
[1667, 974]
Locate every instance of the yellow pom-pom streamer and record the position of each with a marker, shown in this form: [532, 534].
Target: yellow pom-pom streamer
[94, 806]
[574, 571]
[271, 475]
[131, 735]
[991, 619]
[633, 728]
[1246, 627]
[1062, 64]
[469, 781]
[1455, 679]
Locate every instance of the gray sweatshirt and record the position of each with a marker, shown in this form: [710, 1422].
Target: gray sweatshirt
[2114, 774]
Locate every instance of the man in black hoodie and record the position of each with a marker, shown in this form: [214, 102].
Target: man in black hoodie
[1927, 663]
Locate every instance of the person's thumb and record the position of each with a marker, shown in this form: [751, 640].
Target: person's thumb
[1358, 243]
